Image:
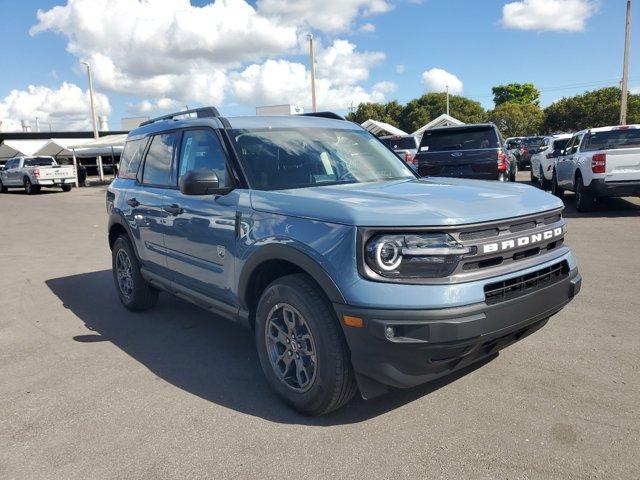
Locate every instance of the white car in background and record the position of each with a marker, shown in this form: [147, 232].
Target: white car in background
[600, 162]
[542, 161]
[33, 173]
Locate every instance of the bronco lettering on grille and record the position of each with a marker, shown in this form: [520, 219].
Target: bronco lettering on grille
[522, 241]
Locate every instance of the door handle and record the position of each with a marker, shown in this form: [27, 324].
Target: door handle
[132, 202]
[174, 209]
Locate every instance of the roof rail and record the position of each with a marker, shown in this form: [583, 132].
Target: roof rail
[203, 112]
[335, 116]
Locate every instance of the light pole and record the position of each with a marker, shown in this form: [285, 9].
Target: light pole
[312, 60]
[447, 99]
[93, 117]
[625, 68]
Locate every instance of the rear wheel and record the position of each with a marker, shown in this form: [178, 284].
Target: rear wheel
[555, 188]
[532, 177]
[503, 177]
[134, 292]
[585, 200]
[301, 347]
[66, 188]
[3, 189]
[514, 172]
[29, 187]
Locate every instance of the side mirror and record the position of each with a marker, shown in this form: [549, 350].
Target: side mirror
[201, 182]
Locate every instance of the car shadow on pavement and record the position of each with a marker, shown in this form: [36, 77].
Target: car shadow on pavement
[604, 208]
[210, 357]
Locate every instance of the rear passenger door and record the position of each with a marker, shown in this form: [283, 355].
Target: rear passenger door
[148, 198]
[564, 169]
[201, 239]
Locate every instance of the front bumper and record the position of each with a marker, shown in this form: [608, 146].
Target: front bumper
[427, 344]
[600, 188]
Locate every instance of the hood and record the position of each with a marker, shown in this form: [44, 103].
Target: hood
[405, 203]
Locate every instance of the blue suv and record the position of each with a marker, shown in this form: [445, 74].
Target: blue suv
[352, 272]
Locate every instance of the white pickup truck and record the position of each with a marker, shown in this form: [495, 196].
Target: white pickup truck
[599, 162]
[33, 173]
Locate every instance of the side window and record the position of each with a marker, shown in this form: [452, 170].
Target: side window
[201, 150]
[576, 144]
[157, 163]
[567, 149]
[131, 157]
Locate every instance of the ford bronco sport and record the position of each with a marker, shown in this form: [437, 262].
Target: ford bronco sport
[352, 272]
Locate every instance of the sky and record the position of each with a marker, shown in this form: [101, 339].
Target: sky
[153, 56]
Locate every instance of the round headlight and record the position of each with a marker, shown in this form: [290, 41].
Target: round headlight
[388, 255]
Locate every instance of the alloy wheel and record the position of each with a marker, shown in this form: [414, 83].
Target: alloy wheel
[291, 347]
[124, 273]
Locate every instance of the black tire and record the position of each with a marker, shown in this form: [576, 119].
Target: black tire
[532, 178]
[333, 383]
[544, 183]
[514, 173]
[585, 200]
[555, 188]
[66, 188]
[3, 189]
[141, 296]
[30, 188]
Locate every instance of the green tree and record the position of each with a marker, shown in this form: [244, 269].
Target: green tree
[522, 93]
[597, 108]
[517, 120]
[384, 112]
[431, 105]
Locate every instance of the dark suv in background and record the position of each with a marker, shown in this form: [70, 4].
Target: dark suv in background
[529, 147]
[468, 151]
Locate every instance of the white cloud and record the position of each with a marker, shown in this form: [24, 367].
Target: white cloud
[65, 108]
[368, 28]
[171, 51]
[326, 15]
[339, 69]
[635, 90]
[569, 15]
[400, 69]
[437, 80]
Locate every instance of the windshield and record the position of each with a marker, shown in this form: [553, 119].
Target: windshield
[39, 162]
[612, 139]
[400, 143]
[459, 139]
[560, 144]
[513, 143]
[275, 159]
[532, 142]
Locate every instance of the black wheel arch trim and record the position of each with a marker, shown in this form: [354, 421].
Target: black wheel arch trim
[292, 255]
[118, 219]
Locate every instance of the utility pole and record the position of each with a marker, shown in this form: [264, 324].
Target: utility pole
[312, 60]
[447, 99]
[93, 117]
[37, 124]
[625, 68]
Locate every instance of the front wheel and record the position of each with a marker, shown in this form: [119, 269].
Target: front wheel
[532, 178]
[134, 292]
[3, 189]
[555, 188]
[301, 347]
[544, 183]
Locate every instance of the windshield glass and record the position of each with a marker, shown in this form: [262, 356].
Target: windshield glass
[38, 162]
[613, 139]
[560, 144]
[459, 139]
[276, 159]
[513, 143]
[532, 142]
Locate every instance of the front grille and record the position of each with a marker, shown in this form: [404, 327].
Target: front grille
[520, 227]
[525, 284]
[478, 234]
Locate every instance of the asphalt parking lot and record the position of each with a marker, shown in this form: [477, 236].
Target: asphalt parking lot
[89, 390]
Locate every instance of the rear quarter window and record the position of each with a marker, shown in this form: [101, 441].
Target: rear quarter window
[131, 157]
[612, 140]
